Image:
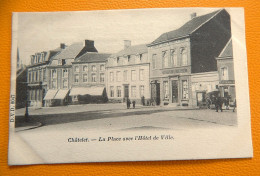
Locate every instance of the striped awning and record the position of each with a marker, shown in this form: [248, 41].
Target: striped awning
[61, 94]
[95, 91]
[50, 94]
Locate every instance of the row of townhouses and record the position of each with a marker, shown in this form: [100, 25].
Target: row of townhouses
[178, 68]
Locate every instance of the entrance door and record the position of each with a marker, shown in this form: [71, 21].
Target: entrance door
[126, 91]
[201, 99]
[175, 91]
[155, 93]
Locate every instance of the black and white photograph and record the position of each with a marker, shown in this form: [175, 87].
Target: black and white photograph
[129, 85]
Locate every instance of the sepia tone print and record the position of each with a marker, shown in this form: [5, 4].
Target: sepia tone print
[178, 78]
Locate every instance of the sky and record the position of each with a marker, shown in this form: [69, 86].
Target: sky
[43, 31]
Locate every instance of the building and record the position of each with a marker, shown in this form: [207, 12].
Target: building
[226, 72]
[128, 74]
[60, 73]
[89, 77]
[180, 55]
[37, 76]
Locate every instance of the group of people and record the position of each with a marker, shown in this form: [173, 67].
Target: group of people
[128, 103]
[219, 101]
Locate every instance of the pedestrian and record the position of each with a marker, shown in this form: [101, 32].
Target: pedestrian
[235, 105]
[227, 101]
[219, 104]
[128, 102]
[133, 104]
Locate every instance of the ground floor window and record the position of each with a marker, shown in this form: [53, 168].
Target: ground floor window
[185, 89]
[118, 90]
[133, 91]
[112, 91]
[166, 89]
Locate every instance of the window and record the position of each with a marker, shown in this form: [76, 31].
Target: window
[30, 77]
[141, 91]
[166, 89]
[128, 58]
[102, 77]
[118, 76]
[44, 74]
[165, 59]
[185, 89]
[111, 76]
[85, 68]
[64, 73]
[93, 68]
[141, 74]
[184, 57]
[118, 91]
[112, 91]
[117, 59]
[76, 78]
[42, 57]
[133, 91]
[32, 59]
[133, 75]
[40, 75]
[33, 76]
[36, 76]
[53, 74]
[154, 61]
[102, 67]
[93, 77]
[224, 73]
[65, 83]
[59, 62]
[63, 61]
[76, 68]
[141, 57]
[85, 78]
[125, 75]
[173, 58]
[54, 84]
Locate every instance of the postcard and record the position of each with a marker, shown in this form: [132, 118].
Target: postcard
[129, 85]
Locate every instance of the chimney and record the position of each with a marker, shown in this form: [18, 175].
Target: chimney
[127, 43]
[89, 43]
[62, 45]
[193, 15]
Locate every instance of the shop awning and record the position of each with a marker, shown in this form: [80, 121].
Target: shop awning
[50, 94]
[96, 91]
[61, 94]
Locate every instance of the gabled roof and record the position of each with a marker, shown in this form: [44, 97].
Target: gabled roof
[227, 52]
[93, 57]
[131, 50]
[69, 52]
[187, 29]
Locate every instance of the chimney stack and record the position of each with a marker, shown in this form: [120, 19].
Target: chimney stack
[89, 43]
[127, 44]
[62, 45]
[193, 15]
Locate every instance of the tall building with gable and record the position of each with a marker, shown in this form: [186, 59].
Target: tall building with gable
[191, 49]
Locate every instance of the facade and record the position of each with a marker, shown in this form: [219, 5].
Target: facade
[226, 72]
[128, 74]
[60, 73]
[89, 77]
[177, 55]
[37, 76]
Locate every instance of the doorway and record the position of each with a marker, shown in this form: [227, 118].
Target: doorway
[175, 91]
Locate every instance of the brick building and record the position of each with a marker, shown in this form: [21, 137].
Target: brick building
[128, 74]
[191, 49]
[226, 72]
[37, 77]
[89, 77]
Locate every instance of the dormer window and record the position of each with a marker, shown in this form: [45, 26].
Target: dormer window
[128, 58]
[141, 57]
[42, 58]
[117, 59]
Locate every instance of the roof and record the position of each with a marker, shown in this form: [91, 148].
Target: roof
[136, 49]
[187, 29]
[227, 51]
[69, 52]
[93, 57]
